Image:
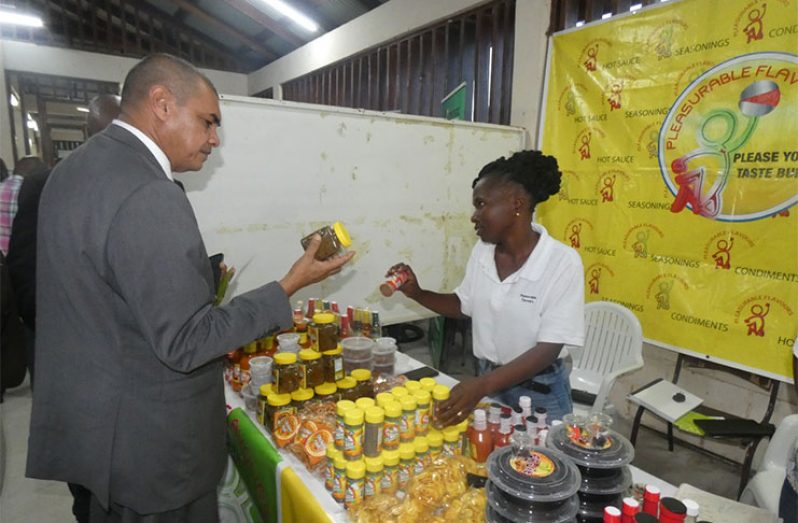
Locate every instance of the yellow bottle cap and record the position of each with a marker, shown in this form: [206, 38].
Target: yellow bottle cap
[344, 405]
[393, 409]
[340, 461]
[390, 457]
[375, 415]
[422, 397]
[361, 374]
[435, 438]
[332, 452]
[279, 400]
[440, 393]
[409, 403]
[427, 384]
[451, 434]
[374, 464]
[353, 417]
[334, 352]
[407, 451]
[323, 317]
[251, 347]
[383, 398]
[364, 403]
[342, 233]
[346, 383]
[302, 395]
[421, 445]
[399, 392]
[308, 355]
[325, 389]
[355, 469]
[412, 385]
[462, 426]
[285, 358]
[266, 389]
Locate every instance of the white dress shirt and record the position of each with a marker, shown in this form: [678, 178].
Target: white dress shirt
[156, 151]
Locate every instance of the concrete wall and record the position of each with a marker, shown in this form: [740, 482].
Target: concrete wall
[6, 152]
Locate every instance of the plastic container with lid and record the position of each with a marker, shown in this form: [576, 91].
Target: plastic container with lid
[385, 356]
[260, 371]
[347, 389]
[311, 369]
[506, 509]
[288, 342]
[365, 386]
[250, 398]
[300, 397]
[358, 353]
[323, 332]
[353, 434]
[333, 362]
[355, 484]
[326, 391]
[423, 401]
[340, 410]
[435, 440]
[333, 238]
[285, 373]
[615, 452]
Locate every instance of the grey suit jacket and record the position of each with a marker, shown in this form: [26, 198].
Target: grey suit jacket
[129, 397]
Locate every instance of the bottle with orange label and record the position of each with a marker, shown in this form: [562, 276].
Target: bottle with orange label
[353, 434]
[339, 478]
[479, 437]
[390, 471]
[355, 484]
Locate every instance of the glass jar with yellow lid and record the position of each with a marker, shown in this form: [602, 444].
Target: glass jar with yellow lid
[333, 361]
[365, 387]
[323, 332]
[285, 373]
[346, 389]
[278, 405]
[311, 369]
[333, 238]
[300, 397]
[326, 392]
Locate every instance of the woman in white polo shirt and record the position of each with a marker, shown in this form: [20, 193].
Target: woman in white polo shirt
[523, 290]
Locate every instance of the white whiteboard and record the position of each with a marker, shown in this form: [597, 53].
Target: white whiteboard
[401, 185]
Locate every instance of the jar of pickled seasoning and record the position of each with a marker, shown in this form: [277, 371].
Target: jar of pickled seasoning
[300, 397]
[285, 373]
[278, 405]
[365, 387]
[326, 392]
[333, 361]
[333, 238]
[347, 389]
[323, 332]
[311, 369]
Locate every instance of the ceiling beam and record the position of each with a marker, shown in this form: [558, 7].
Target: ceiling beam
[267, 22]
[226, 29]
[370, 4]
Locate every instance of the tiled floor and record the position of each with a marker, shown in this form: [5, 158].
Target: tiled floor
[24, 500]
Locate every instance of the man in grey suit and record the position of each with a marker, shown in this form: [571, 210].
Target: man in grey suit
[129, 397]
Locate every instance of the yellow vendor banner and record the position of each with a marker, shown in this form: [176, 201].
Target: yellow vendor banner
[676, 129]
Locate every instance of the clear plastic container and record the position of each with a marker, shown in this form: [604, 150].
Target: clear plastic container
[384, 356]
[515, 510]
[358, 353]
[616, 451]
[545, 475]
[288, 342]
[260, 371]
[605, 481]
[250, 398]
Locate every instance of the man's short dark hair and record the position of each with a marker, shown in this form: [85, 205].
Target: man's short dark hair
[174, 73]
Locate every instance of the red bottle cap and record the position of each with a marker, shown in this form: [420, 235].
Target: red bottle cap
[612, 515]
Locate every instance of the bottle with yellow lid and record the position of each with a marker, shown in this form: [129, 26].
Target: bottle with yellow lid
[451, 442]
[277, 406]
[465, 443]
[339, 478]
[353, 434]
[421, 447]
[399, 392]
[300, 397]
[329, 466]
[390, 471]
[374, 471]
[326, 391]
[435, 440]
[423, 401]
[340, 410]
[428, 383]
[440, 393]
[365, 403]
[333, 238]
[412, 386]
[384, 397]
[407, 425]
[311, 369]
[323, 332]
[407, 464]
[365, 387]
[333, 361]
[263, 399]
[355, 483]
[392, 425]
[285, 373]
[372, 433]
[347, 389]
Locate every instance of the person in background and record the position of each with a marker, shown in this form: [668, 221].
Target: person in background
[523, 290]
[22, 257]
[788, 501]
[129, 392]
[9, 194]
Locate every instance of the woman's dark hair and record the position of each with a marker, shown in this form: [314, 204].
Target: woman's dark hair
[3, 170]
[537, 173]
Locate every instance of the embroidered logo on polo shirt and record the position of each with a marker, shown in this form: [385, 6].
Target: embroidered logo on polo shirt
[526, 298]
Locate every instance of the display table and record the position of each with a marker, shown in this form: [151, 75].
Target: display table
[280, 485]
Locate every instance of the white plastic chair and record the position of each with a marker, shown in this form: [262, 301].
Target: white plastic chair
[764, 489]
[613, 346]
